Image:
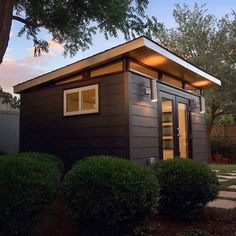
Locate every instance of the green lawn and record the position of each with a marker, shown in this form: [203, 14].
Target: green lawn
[223, 169]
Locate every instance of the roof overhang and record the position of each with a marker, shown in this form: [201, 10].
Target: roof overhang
[140, 49]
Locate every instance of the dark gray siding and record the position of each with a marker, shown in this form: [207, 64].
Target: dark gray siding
[144, 135]
[199, 137]
[44, 129]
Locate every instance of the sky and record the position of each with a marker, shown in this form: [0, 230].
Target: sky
[20, 65]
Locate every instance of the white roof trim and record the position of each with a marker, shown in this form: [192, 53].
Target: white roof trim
[155, 47]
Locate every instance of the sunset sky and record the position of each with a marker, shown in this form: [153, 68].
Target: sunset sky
[20, 65]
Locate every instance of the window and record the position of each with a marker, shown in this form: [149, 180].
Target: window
[82, 100]
[143, 70]
[191, 89]
[171, 81]
[108, 69]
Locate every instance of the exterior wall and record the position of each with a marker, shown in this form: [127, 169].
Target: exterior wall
[9, 132]
[145, 127]
[127, 124]
[44, 129]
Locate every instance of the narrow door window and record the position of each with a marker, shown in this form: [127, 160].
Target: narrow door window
[167, 129]
[183, 130]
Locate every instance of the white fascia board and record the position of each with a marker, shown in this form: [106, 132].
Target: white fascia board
[155, 47]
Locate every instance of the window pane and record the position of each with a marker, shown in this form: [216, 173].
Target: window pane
[88, 99]
[72, 102]
[143, 70]
[115, 67]
[167, 129]
[183, 130]
[192, 89]
[171, 81]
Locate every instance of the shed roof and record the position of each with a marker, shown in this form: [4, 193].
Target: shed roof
[142, 49]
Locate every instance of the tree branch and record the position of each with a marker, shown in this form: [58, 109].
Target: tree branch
[27, 22]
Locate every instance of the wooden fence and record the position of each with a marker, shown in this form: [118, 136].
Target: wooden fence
[9, 131]
[225, 134]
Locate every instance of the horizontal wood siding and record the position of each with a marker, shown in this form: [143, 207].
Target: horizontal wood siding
[44, 129]
[199, 137]
[144, 135]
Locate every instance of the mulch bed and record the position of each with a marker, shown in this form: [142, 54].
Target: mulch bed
[215, 221]
[55, 220]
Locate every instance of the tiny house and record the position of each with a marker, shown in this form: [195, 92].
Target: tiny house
[137, 101]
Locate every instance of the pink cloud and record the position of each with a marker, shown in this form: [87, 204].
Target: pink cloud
[53, 45]
[13, 72]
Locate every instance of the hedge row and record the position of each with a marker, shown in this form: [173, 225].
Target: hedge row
[104, 194]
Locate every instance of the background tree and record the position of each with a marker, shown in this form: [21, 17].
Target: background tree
[210, 44]
[72, 23]
[8, 98]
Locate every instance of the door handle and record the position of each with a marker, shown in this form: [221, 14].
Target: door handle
[178, 135]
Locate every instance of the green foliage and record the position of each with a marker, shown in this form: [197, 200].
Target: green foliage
[9, 99]
[83, 20]
[186, 186]
[28, 183]
[110, 195]
[210, 44]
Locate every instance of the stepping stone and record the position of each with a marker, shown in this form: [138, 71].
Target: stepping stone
[222, 180]
[215, 170]
[221, 203]
[234, 174]
[232, 186]
[234, 171]
[226, 177]
[227, 194]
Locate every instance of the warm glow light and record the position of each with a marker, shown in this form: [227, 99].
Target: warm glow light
[201, 83]
[154, 60]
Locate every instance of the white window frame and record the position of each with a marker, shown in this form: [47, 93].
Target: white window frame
[79, 90]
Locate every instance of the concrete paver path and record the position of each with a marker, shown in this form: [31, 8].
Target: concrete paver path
[232, 186]
[221, 203]
[226, 177]
[222, 180]
[227, 194]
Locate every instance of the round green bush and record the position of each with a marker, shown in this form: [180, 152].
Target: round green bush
[186, 186]
[108, 194]
[28, 183]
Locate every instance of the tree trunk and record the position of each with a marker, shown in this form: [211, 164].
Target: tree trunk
[6, 10]
[210, 124]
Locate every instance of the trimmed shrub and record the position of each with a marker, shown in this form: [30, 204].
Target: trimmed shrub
[186, 186]
[110, 195]
[50, 160]
[28, 183]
